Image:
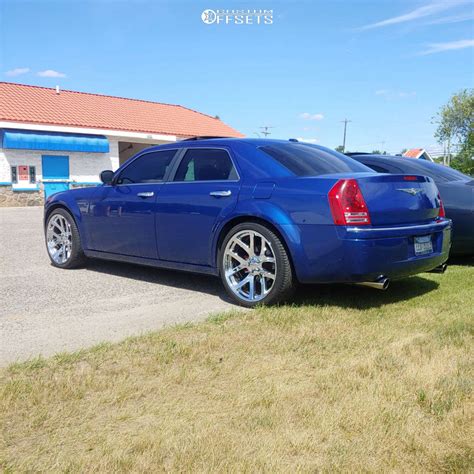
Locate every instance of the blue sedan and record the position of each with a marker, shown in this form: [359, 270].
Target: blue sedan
[261, 214]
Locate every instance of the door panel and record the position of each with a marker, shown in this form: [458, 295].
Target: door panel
[55, 173]
[123, 222]
[122, 215]
[186, 216]
[53, 188]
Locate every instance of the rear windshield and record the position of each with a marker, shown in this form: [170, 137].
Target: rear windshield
[304, 159]
[435, 171]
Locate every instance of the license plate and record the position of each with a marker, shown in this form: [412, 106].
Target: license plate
[423, 245]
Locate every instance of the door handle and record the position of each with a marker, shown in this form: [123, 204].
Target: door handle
[148, 194]
[220, 193]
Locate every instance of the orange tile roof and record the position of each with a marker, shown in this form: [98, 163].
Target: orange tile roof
[413, 153]
[42, 105]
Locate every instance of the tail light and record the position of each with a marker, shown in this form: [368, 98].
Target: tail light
[347, 203]
[442, 212]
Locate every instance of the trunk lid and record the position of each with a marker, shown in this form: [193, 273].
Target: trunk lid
[399, 199]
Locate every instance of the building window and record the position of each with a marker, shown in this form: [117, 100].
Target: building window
[32, 174]
[14, 175]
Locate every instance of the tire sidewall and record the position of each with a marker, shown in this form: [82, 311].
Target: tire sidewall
[281, 261]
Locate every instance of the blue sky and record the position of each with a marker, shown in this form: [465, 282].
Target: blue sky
[386, 65]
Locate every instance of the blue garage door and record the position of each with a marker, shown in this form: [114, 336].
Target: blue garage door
[55, 174]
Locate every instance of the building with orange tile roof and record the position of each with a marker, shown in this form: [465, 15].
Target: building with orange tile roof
[54, 139]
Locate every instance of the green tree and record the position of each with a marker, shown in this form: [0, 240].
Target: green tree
[340, 149]
[456, 126]
[464, 160]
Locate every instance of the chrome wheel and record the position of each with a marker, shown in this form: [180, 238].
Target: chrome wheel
[250, 265]
[59, 239]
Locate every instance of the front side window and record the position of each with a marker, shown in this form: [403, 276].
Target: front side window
[148, 168]
[303, 159]
[202, 164]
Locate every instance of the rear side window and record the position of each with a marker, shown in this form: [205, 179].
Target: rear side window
[309, 160]
[204, 164]
[148, 168]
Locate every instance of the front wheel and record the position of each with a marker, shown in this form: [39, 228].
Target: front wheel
[254, 266]
[63, 241]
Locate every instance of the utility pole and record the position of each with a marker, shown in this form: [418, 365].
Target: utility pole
[265, 129]
[345, 122]
[449, 152]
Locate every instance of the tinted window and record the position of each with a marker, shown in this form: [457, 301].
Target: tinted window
[149, 168]
[309, 160]
[203, 164]
[377, 168]
[439, 173]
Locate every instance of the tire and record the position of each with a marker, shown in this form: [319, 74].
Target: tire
[265, 262]
[63, 242]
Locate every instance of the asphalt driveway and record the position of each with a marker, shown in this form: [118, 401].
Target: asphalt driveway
[45, 310]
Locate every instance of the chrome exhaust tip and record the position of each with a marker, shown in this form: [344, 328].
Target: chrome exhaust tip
[439, 269]
[381, 283]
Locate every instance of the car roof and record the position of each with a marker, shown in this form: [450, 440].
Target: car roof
[228, 141]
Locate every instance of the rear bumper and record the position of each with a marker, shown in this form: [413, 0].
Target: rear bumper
[327, 254]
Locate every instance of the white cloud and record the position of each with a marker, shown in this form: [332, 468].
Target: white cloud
[308, 140]
[420, 12]
[406, 94]
[390, 94]
[448, 46]
[17, 71]
[51, 73]
[451, 19]
[308, 116]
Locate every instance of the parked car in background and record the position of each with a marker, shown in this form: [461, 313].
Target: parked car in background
[262, 214]
[456, 190]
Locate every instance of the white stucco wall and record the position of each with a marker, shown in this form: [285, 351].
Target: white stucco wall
[83, 167]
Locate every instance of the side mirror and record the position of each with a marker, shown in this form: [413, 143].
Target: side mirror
[107, 176]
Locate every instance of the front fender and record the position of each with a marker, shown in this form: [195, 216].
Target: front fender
[76, 202]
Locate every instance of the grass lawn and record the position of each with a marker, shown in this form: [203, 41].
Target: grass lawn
[345, 379]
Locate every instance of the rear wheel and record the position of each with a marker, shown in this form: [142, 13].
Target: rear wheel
[63, 241]
[254, 266]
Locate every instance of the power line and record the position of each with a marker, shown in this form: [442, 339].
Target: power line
[265, 129]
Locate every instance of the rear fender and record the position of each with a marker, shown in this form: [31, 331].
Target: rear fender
[266, 212]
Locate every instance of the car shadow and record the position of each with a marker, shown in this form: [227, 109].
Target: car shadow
[357, 297]
[343, 296]
[172, 278]
[464, 261]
